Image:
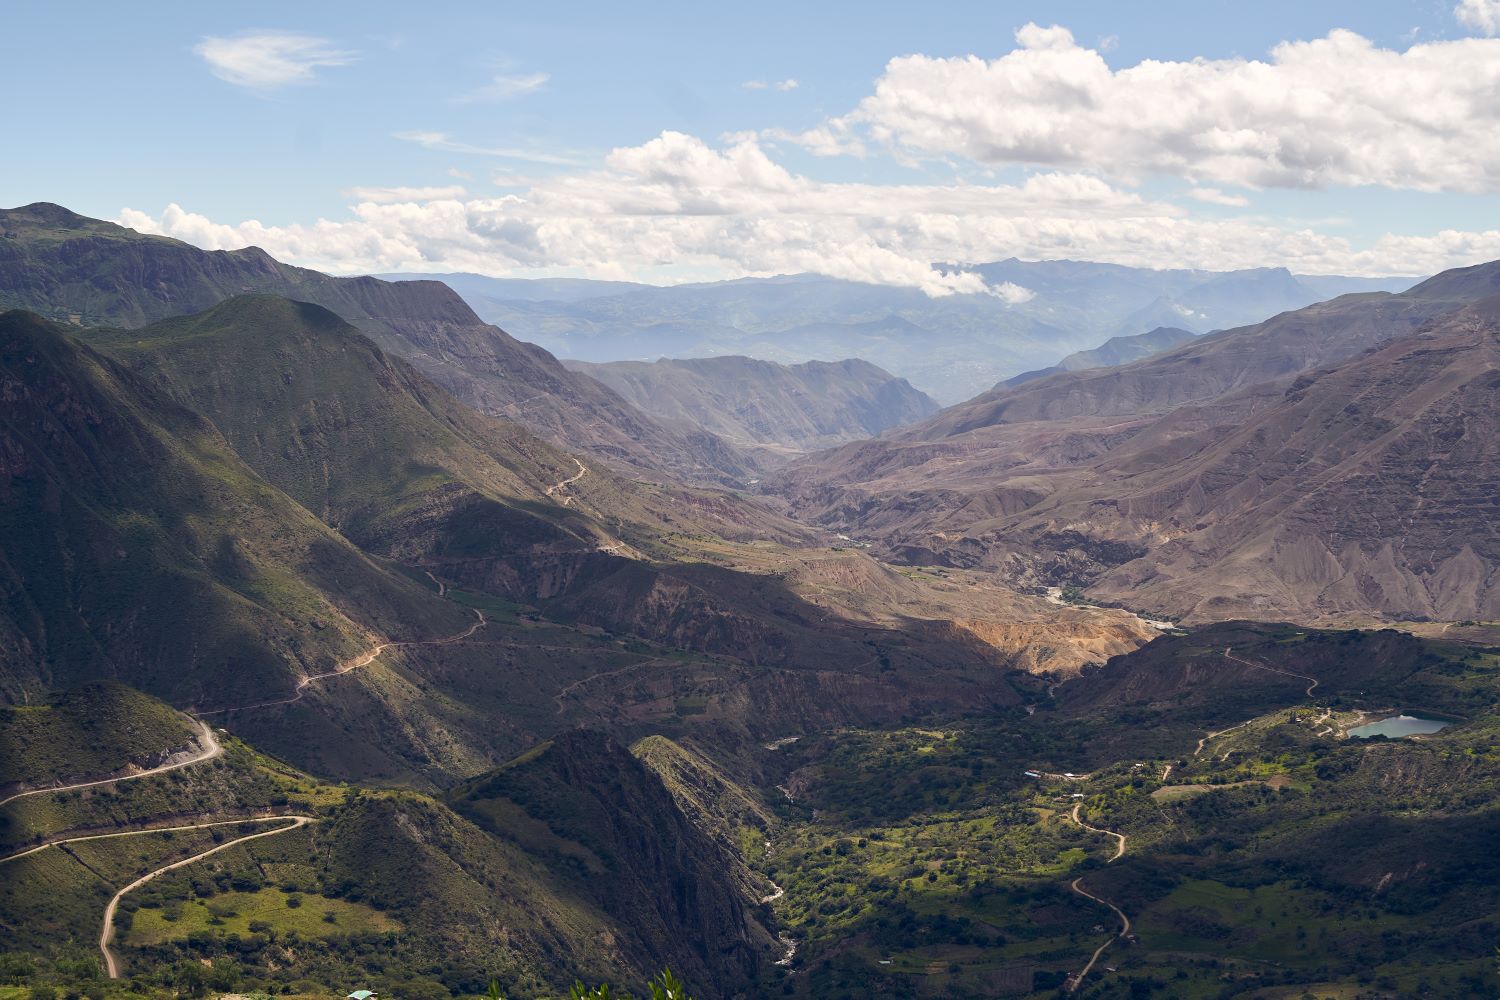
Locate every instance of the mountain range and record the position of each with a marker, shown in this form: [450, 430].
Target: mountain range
[324, 660]
[1184, 482]
[952, 347]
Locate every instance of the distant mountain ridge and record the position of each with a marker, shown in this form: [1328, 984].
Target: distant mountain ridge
[952, 347]
[1114, 351]
[790, 408]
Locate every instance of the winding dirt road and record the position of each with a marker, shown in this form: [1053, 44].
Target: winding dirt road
[1075, 981]
[107, 931]
[1262, 666]
[1120, 837]
[1229, 655]
[211, 748]
[363, 660]
[143, 831]
[562, 486]
[206, 739]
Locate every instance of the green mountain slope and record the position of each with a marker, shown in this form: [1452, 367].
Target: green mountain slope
[93, 730]
[357, 437]
[127, 516]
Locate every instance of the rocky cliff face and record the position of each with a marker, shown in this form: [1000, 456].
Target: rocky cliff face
[87, 272]
[603, 816]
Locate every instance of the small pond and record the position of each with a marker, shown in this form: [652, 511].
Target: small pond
[1398, 726]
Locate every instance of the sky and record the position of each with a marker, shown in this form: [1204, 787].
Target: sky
[669, 142]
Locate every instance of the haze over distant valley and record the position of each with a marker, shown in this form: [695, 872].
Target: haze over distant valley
[951, 348]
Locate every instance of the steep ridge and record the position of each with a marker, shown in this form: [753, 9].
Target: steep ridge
[788, 408]
[88, 272]
[126, 515]
[357, 437]
[588, 808]
[394, 462]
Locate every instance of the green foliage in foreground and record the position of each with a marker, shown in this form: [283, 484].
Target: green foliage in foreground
[664, 987]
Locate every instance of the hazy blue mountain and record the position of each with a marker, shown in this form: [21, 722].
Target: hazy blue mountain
[952, 347]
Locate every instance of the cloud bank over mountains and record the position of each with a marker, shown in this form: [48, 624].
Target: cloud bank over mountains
[1080, 143]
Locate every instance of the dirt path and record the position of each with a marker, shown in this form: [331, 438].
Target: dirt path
[1222, 732]
[206, 739]
[1229, 655]
[363, 660]
[555, 488]
[571, 688]
[1120, 837]
[1262, 666]
[1075, 981]
[133, 833]
[107, 931]
[441, 586]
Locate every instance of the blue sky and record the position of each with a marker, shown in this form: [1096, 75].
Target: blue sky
[123, 115]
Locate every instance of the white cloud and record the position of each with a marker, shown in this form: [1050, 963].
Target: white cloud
[1333, 111]
[505, 86]
[268, 60]
[1482, 16]
[782, 85]
[1213, 196]
[677, 205]
[390, 194]
[442, 142]
[1011, 293]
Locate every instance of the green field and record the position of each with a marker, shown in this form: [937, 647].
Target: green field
[267, 911]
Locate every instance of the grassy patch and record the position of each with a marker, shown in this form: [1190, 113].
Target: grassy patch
[269, 910]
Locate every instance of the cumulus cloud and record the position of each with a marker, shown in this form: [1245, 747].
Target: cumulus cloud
[1011, 292]
[505, 86]
[677, 204]
[1482, 16]
[1332, 111]
[268, 60]
[389, 194]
